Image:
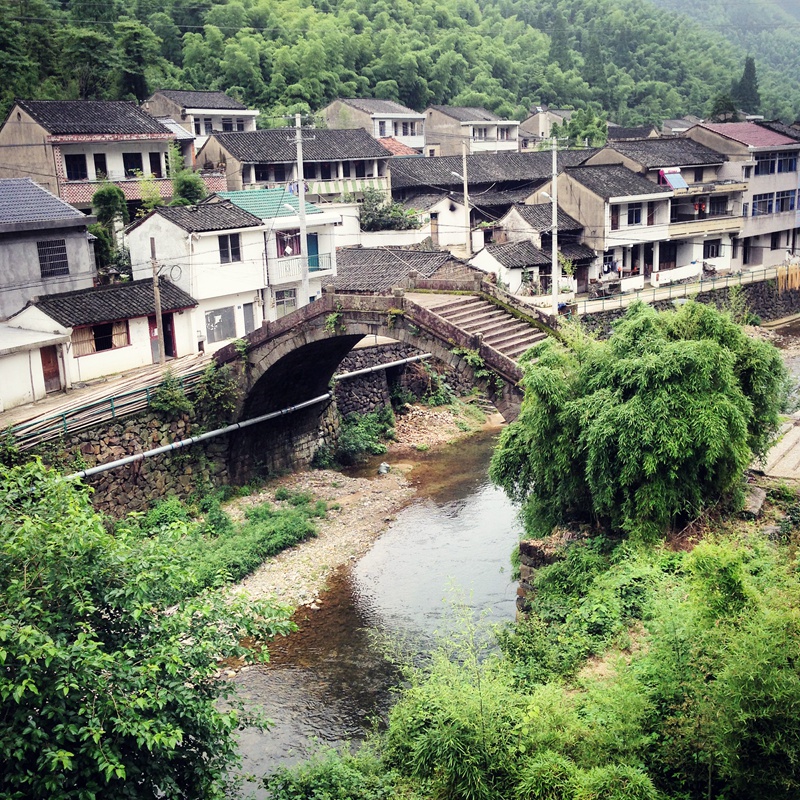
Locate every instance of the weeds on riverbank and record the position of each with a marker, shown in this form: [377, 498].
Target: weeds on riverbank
[222, 550]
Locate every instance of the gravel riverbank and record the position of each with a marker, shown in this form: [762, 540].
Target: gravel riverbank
[360, 508]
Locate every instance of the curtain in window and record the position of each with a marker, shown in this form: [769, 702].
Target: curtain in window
[119, 334]
[83, 341]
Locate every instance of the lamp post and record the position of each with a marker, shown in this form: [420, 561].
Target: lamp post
[468, 234]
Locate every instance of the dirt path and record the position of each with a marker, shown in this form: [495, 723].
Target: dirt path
[360, 508]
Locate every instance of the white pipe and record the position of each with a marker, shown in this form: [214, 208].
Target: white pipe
[378, 367]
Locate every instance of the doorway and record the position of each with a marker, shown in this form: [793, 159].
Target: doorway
[169, 336]
[50, 370]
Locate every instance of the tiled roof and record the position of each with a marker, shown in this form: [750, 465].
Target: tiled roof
[376, 269]
[319, 144]
[618, 132]
[180, 132]
[375, 106]
[518, 254]
[778, 127]
[748, 133]
[614, 180]
[113, 302]
[210, 100]
[209, 217]
[467, 113]
[576, 252]
[481, 168]
[91, 117]
[397, 148]
[540, 217]
[268, 203]
[677, 152]
[22, 200]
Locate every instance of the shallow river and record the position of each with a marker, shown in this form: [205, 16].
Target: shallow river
[446, 552]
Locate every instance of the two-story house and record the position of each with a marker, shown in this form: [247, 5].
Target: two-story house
[241, 267]
[201, 113]
[448, 127]
[625, 217]
[705, 209]
[336, 163]
[72, 146]
[45, 246]
[381, 119]
[766, 160]
[538, 125]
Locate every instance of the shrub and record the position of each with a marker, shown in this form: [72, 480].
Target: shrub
[363, 435]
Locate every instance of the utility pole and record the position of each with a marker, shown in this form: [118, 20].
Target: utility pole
[467, 225]
[555, 267]
[301, 193]
[162, 358]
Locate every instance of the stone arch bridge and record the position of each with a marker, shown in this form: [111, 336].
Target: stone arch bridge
[293, 360]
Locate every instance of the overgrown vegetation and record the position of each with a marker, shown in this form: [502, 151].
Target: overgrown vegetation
[169, 397]
[364, 434]
[379, 213]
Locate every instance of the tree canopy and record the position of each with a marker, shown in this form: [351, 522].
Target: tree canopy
[109, 684]
[643, 430]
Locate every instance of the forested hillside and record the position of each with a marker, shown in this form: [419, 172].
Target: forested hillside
[627, 58]
[769, 30]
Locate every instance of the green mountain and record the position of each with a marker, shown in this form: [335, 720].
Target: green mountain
[626, 58]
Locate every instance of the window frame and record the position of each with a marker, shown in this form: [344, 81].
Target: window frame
[712, 248]
[285, 302]
[775, 240]
[785, 200]
[766, 163]
[53, 258]
[763, 204]
[787, 161]
[82, 174]
[230, 248]
[291, 239]
[85, 338]
[130, 170]
[634, 214]
[217, 331]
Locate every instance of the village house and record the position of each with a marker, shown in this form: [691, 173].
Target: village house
[336, 163]
[448, 127]
[381, 119]
[201, 113]
[705, 210]
[101, 331]
[71, 147]
[538, 125]
[764, 157]
[239, 255]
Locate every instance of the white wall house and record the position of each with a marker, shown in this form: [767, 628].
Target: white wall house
[242, 268]
[109, 329]
[379, 118]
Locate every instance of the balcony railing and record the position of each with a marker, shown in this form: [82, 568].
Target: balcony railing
[290, 270]
[82, 191]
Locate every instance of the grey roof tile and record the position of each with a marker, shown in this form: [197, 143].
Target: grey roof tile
[376, 269]
[618, 132]
[319, 144]
[210, 100]
[374, 106]
[518, 254]
[467, 113]
[22, 200]
[113, 302]
[614, 180]
[672, 152]
[540, 217]
[437, 171]
[220, 216]
[91, 117]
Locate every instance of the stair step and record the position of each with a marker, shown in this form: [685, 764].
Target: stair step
[500, 325]
[514, 345]
[517, 350]
[445, 308]
[471, 317]
[501, 337]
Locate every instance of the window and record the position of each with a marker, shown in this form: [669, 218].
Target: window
[345, 169]
[288, 243]
[405, 129]
[431, 152]
[745, 209]
[262, 172]
[76, 167]
[132, 164]
[524, 144]
[325, 171]
[503, 134]
[239, 124]
[248, 311]
[775, 240]
[609, 262]
[614, 218]
[285, 302]
[100, 170]
[698, 174]
[712, 248]
[765, 163]
[227, 124]
[361, 169]
[479, 133]
[634, 213]
[155, 165]
[651, 213]
[784, 201]
[280, 173]
[718, 206]
[747, 172]
[207, 126]
[53, 258]
[762, 204]
[220, 324]
[229, 249]
[382, 128]
[197, 128]
[787, 162]
[96, 338]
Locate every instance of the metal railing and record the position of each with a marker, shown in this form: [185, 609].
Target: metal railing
[674, 291]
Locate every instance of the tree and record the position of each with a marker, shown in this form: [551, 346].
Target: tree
[109, 684]
[110, 207]
[644, 430]
[86, 57]
[188, 187]
[723, 108]
[380, 214]
[745, 92]
[137, 49]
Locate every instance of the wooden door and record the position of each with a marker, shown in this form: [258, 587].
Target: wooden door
[52, 376]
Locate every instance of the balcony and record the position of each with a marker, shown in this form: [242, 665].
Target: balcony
[81, 192]
[728, 186]
[327, 189]
[683, 225]
[290, 270]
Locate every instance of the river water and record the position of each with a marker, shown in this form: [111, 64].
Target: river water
[446, 554]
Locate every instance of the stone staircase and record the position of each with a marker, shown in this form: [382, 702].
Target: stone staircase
[783, 460]
[500, 330]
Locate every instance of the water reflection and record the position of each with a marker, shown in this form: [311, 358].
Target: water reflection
[330, 680]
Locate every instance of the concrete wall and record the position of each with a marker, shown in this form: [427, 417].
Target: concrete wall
[22, 379]
[26, 151]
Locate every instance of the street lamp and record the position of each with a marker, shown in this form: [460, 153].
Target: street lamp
[555, 268]
[463, 177]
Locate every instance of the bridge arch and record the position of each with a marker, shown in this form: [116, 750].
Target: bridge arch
[294, 360]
